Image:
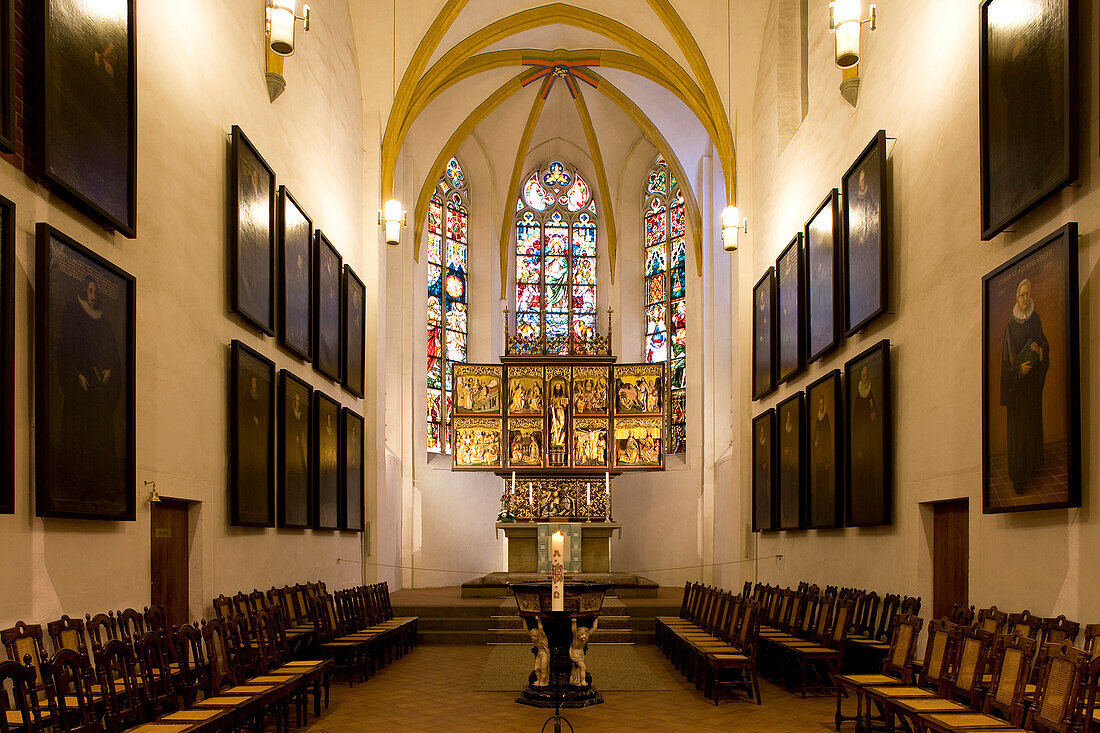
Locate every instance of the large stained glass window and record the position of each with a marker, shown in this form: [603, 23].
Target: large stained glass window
[665, 292]
[448, 218]
[556, 257]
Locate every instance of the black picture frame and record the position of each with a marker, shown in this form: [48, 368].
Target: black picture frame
[821, 243]
[87, 99]
[251, 236]
[7, 356]
[252, 420]
[869, 438]
[295, 277]
[7, 66]
[326, 461]
[85, 413]
[764, 518]
[790, 285]
[789, 443]
[327, 286]
[1047, 396]
[353, 320]
[866, 252]
[824, 452]
[351, 471]
[1027, 114]
[295, 477]
[763, 335]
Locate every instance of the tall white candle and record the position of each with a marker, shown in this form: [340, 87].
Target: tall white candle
[607, 483]
[513, 483]
[588, 493]
[530, 495]
[557, 572]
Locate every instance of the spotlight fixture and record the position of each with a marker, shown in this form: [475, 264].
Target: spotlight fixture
[732, 226]
[394, 217]
[845, 20]
[280, 18]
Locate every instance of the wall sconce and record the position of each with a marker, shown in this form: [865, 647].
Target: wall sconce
[279, 21]
[845, 21]
[732, 226]
[154, 497]
[394, 217]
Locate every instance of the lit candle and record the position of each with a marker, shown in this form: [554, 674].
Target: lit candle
[607, 483]
[557, 572]
[530, 495]
[513, 483]
[588, 494]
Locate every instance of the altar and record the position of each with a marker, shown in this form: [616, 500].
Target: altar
[523, 545]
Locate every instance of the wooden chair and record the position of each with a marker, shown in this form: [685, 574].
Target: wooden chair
[939, 653]
[221, 651]
[821, 659]
[346, 654]
[68, 633]
[155, 618]
[223, 608]
[897, 670]
[101, 629]
[24, 714]
[1011, 670]
[736, 668]
[1092, 631]
[153, 654]
[24, 641]
[959, 689]
[131, 625]
[1024, 624]
[123, 698]
[194, 672]
[316, 673]
[73, 708]
[1057, 705]
[1058, 630]
[961, 615]
[991, 620]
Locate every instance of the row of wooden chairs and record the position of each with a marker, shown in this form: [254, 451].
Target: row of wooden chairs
[713, 640]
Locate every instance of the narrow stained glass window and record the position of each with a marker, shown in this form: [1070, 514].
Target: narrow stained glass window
[664, 292]
[556, 257]
[448, 222]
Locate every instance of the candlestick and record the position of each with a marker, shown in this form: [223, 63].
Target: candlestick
[557, 572]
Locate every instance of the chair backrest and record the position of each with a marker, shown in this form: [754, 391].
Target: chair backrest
[18, 679]
[68, 690]
[1059, 691]
[903, 645]
[1024, 624]
[746, 591]
[842, 620]
[885, 628]
[937, 656]
[809, 615]
[797, 610]
[961, 615]
[276, 629]
[824, 618]
[865, 624]
[155, 618]
[1058, 630]
[910, 605]
[991, 620]
[972, 649]
[733, 618]
[1092, 631]
[154, 656]
[194, 671]
[68, 633]
[223, 608]
[685, 598]
[247, 657]
[257, 599]
[23, 640]
[123, 697]
[1011, 669]
[750, 622]
[220, 648]
[131, 625]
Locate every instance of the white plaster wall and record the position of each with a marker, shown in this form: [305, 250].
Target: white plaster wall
[187, 101]
[920, 83]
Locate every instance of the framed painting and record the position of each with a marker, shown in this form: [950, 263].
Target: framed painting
[763, 472]
[353, 318]
[85, 413]
[590, 442]
[478, 442]
[824, 430]
[251, 234]
[1028, 98]
[477, 389]
[351, 471]
[1031, 403]
[326, 462]
[590, 391]
[868, 455]
[525, 390]
[639, 443]
[639, 389]
[251, 438]
[88, 96]
[294, 473]
[789, 445]
[327, 264]
[295, 277]
[822, 238]
[865, 237]
[763, 335]
[525, 442]
[7, 356]
[790, 285]
[7, 68]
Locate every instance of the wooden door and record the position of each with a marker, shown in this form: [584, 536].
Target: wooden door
[169, 548]
[950, 555]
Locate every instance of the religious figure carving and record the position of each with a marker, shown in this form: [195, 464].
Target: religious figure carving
[542, 655]
[579, 676]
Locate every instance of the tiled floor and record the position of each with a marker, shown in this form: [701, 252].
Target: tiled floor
[1049, 486]
[432, 689]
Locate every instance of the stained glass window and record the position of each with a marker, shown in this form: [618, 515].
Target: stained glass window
[664, 292]
[448, 218]
[556, 256]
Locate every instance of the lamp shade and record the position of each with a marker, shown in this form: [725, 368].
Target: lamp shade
[393, 217]
[281, 26]
[846, 20]
[731, 226]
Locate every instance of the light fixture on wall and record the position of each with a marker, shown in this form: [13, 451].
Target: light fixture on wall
[845, 21]
[154, 497]
[394, 218]
[280, 19]
[732, 226]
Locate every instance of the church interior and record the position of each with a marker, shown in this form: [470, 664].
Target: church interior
[597, 364]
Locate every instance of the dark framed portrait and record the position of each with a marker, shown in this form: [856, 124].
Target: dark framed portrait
[763, 472]
[353, 318]
[85, 413]
[478, 389]
[822, 238]
[763, 335]
[790, 285]
[526, 442]
[868, 455]
[251, 438]
[88, 96]
[351, 472]
[295, 276]
[865, 237]
[1031, 406]
[7, 66]
[7, 356]
[326, 462]
[639, 443]
[327, 287]
[251, 234]
[1028, 106]
[478, 442]
[824, 443]
[295, 426]
[789, 425]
